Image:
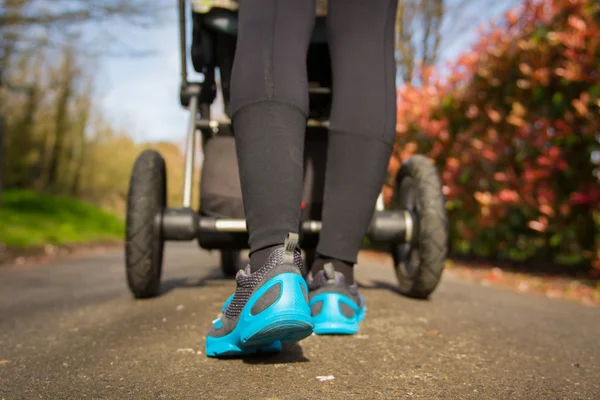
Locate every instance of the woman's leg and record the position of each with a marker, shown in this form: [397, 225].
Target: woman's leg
[269, 100]
[362, 126]
[361, 136]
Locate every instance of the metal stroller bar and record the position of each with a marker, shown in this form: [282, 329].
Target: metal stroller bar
[188, 182]
[205, 123]
[193, 107]
[182, 42]
[239, 225]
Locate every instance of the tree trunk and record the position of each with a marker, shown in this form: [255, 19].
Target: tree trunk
[2, 161]
[61, 125]
[80, 149]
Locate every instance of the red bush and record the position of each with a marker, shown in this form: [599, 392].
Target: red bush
[512, 128]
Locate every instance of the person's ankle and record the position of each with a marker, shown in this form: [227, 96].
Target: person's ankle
[259, 258]
[343, 267]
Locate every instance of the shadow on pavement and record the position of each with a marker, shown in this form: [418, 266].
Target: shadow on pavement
[381, 285]
[290, 353]
[215, 276]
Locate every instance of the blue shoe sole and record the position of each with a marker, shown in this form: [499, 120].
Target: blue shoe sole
[288, 319]
[331, 321]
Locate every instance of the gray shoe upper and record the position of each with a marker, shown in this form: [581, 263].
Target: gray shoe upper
[248, 283]
[286, 258]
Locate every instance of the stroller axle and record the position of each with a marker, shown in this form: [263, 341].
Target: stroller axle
[181, 224]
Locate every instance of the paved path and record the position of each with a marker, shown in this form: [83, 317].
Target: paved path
[70, 330]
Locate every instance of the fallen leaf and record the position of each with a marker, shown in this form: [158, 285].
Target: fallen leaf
[577, 365]
[554, 294]
[186, 350]
[523, 286]
[433, 332]
[325, 378]
[4, 362]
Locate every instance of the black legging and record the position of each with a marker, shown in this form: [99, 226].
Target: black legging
[269, 105]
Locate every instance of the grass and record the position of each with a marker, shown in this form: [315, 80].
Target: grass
[29, 219]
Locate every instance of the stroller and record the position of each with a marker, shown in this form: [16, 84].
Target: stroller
[413, 226]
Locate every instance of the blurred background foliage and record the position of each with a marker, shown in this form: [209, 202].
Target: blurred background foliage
[514, 126]
[57, 138]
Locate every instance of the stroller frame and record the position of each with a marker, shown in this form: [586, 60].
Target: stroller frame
[399, 227]
[180, 224]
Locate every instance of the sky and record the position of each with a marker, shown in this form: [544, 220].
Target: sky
[141, 94]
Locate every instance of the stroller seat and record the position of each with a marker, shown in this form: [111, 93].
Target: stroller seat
[214, 34]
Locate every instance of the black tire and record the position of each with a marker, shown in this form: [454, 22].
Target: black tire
[419, 264]
[143, 241]
[230, 262]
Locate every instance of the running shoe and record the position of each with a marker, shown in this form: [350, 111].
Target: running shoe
[336, 307]
[269, 306]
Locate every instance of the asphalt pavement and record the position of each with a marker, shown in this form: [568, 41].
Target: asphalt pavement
[69, 329]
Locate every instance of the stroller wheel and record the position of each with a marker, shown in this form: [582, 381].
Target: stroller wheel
[420, 261]
[230, 262]
[144, 244]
